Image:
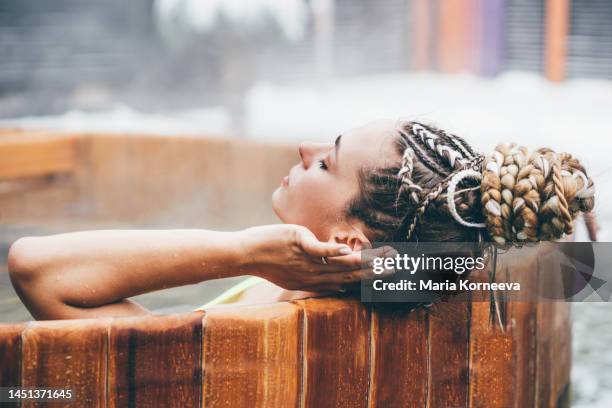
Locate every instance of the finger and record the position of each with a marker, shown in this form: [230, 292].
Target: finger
[315, 248]
[320, 268]
[353, 260]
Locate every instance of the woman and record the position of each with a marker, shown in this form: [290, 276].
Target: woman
[387, 181]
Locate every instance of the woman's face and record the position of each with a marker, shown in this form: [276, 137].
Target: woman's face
[317, 191]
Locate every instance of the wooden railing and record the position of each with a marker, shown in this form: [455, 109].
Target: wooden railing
[310, 353]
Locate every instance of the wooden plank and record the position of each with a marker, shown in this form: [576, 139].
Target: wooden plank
[522, 313]
[544, 358]
[556, 35]
[155, 361]
[336, 353]
[560, 350]
[252, 356]
[448, 354]
[492, 367]
[206, 183]
[553, 333]
[32, 155]
[67, 354]
[545, 314]
[10, 354]
[399, 373]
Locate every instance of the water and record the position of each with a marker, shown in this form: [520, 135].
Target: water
[592, 355]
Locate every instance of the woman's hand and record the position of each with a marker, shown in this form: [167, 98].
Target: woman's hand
[292, 257]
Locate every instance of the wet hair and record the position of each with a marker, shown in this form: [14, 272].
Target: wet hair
[439, 189]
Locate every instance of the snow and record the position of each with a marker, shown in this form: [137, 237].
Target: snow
[122, 119]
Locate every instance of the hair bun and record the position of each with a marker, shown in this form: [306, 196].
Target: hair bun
[530, 197]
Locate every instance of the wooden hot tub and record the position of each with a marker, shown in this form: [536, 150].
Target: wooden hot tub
[327, 352]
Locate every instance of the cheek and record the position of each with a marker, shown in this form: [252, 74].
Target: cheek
[306, 201]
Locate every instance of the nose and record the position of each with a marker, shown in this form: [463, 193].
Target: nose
[310, 151]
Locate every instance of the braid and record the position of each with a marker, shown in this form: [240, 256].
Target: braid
[460, 144]
[405, 175]
[439, 180]
[431, 196]
[450, 152]
[423, 155]
[442, 152]
[532, 197]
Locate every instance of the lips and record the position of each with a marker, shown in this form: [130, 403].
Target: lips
[287, 179]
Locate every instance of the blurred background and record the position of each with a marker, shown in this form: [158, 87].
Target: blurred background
[536, 72]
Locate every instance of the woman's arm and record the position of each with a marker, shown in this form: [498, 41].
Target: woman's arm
[86, 274]
[71, 275]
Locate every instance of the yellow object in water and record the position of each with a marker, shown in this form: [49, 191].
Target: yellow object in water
[233, 294]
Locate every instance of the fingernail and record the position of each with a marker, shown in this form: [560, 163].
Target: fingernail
[345, 250]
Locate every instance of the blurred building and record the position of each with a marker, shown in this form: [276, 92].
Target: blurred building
[52, 46]
[88, 54]
[558, 38]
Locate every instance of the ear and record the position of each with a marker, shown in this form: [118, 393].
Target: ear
[352, 236]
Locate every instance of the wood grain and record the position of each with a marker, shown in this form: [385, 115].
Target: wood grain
[492, 367]
[523, 314]
[448, 354]
[336, 351]
[155, 361]
[252, 356]
[399, 361]
[10, 354]
[68, 354]
[30, 155]
[545, 361]
[561, 350]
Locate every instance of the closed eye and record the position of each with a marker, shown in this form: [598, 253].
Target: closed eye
[322, 164]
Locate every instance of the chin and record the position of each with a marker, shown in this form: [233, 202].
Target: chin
[276, 204]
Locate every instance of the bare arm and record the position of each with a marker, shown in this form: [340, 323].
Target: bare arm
[74, 274]
[92, 273]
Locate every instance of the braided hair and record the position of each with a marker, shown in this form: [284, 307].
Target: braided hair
[440, 189]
